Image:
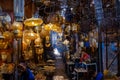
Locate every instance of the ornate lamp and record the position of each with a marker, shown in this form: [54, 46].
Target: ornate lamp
[18, 33]
[17, 26]
[44, 32]
[31, 22]
[52, 27]
[37, 41]
[29, 34]
[8, 35]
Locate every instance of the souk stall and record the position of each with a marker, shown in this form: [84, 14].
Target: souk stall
[6, 47]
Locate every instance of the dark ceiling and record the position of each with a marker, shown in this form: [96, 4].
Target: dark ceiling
[83, 11]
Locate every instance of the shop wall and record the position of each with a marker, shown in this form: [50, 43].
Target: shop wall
[29, 8]
[7, 5]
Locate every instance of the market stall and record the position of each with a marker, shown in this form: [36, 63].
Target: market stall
[6, 47]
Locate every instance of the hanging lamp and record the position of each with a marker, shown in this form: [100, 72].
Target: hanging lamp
[31, 22]
[17, 25]
[29, 34]
[52, 27]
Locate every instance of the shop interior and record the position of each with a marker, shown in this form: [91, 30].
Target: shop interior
[59, 40]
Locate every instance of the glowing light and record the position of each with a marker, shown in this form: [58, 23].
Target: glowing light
[33, 23]
[56, 52]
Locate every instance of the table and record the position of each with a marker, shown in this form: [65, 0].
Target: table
[80, 70]
[69, 63]
[90, 64]
[7, 76]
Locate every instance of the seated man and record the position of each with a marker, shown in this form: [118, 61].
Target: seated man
[84, 57]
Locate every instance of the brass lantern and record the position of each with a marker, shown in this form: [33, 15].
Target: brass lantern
[17, 26]
[37, 41]
[53, 27]
[17, 29]
[57, 29]
[29, 34]
[31, 22]
[44, 33]
[18, 33]
[8, 35]
[27, 41]
[48, 27]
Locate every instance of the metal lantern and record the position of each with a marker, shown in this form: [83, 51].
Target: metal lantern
[8, 35]
[52, 27]
[44, 33]
[31, 22]
[27, 41]
[29, 34]
[24, 45]
[17, 26]
[18, 33]
[37, 41]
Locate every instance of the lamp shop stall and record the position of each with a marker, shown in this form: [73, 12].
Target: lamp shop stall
[24, 41]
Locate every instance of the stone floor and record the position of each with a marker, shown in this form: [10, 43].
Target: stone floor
[60, 69]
